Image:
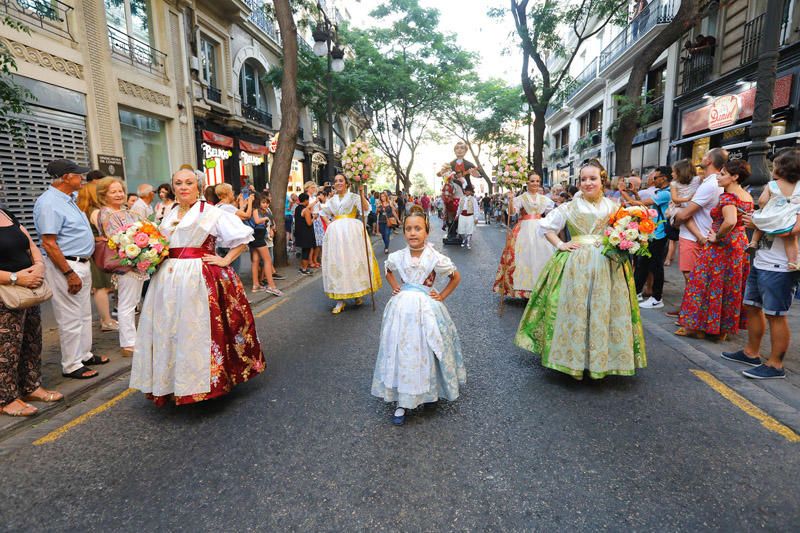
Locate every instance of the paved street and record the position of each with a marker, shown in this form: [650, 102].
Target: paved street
[305, 447]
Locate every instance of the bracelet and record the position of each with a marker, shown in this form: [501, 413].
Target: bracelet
[68, 272]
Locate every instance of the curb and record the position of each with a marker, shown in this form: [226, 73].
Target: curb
[781, 411]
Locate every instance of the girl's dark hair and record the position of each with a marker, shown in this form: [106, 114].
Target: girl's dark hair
[787, 166]
[211, 195]
[132, 194]
[168, 188]
[684, 171]
[739, 168]
[417, 211]
[303, 197]
[572, 190]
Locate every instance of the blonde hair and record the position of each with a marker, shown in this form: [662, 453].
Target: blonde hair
[87, 198]
[224, 191]
[309, 184]
[104, 185]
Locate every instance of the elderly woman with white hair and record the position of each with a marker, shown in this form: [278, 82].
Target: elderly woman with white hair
[197, 335]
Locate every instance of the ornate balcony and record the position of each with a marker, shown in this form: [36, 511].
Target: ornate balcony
[258, 16]
[655, 13]
[320, 141]
[259, 116]
[583, 79]
[752, 38]
[49, 16]
[697, 68]
[213, 94]
[136, 52]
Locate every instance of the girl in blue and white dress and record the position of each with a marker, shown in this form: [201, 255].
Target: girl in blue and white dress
[419, 358]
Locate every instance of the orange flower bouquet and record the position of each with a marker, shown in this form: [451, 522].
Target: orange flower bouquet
[629, 232]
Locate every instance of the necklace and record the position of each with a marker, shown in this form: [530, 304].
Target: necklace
[416, 249]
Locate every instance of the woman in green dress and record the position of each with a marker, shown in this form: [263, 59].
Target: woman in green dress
[582, 314]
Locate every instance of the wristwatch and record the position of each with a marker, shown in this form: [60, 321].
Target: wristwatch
[13, 278]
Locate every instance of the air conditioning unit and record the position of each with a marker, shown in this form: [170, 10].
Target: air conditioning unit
[194, 63]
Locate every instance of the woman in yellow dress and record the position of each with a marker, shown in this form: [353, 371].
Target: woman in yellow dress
[583, 314]
[346, 271]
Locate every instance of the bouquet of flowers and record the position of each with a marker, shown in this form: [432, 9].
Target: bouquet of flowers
[512, 169]
[358, 162]
[629, 232]
[140, 246]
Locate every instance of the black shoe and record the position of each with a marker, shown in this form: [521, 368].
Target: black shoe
[306, 272]
[278, 276]
[430, 406]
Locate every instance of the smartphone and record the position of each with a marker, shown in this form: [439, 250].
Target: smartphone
[246, 193]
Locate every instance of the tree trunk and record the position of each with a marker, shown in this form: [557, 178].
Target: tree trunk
[628, 123]
[478, 164]
[538, 138]
[290, 118]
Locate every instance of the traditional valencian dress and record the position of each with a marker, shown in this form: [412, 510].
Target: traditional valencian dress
[196, 336]
[526, 251]
[583, 313]
[419, 357]
[345, 269]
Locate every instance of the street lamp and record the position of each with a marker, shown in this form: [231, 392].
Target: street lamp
[324, 45]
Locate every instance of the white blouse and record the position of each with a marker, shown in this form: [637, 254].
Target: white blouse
[228, 228]
[416, 270]
[343, 205]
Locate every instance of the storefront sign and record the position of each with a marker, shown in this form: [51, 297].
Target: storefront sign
[111, 165]
[214, 152]
[217, 139]
[251, 159]
[723, 111]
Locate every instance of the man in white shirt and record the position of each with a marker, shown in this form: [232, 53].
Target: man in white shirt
[142, 206]
[769, 293]
[699, 209]
[649, 192]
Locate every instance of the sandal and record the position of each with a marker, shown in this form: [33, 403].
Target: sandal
[81, 373]
[97, 360]
[338, 309]
[126, 352]
[23, 410]
[109, 326]
[683, 332]
[48, 396]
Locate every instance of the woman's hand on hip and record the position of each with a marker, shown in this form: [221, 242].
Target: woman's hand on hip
[215, 260]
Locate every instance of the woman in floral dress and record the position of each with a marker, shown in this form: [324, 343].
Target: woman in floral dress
[526, 251]
[712, 301]
[582, 314]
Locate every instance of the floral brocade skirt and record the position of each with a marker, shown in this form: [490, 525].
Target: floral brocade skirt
[583, 316]
[524, 256]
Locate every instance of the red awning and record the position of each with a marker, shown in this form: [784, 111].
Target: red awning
[253, 148]
[217, 139]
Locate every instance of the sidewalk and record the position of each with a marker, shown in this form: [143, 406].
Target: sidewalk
[107, 343]
[786, 390]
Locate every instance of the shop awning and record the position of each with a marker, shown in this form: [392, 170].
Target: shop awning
[776, 138]
[253, 148]
[710, 133]
[217, 139]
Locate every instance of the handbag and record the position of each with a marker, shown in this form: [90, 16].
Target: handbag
[18, 297]
[105, 258]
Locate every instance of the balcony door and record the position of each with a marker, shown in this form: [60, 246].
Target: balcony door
[132, 17]
[252, 88]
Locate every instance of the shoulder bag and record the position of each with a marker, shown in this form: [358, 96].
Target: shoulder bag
[19, 297]
[104, 257]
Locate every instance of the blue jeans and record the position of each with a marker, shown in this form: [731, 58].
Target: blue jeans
[386, 233]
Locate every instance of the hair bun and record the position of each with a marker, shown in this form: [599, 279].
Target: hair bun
[418, 211]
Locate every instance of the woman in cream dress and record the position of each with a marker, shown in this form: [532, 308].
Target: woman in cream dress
[346, 271]
[526, 251]
[197, 335]
[582, 314]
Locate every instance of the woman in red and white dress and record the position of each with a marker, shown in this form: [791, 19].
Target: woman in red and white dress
[526, 252]
[197, 335]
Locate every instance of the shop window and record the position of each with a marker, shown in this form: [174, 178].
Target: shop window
[144, 143]
[208, 57]
[132, 17]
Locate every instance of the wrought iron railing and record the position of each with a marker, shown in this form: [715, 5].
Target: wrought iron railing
[257, 115]
[259, 17]
[320, 141]
[697, 68]
[213, 94]
[559, 153]
[752, 38]
[588, 74]
[47, 15]
[136, 52]
[655, 13]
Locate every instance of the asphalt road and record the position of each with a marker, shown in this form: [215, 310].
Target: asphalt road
[305, 447]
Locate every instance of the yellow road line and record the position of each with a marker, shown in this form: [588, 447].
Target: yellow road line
[271, 308]
[60, 432]
[746, 406]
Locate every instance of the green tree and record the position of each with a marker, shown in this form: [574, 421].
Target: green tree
[13, 97]
[486, 117]
[403, 74]
[420, 185]
[539, 27]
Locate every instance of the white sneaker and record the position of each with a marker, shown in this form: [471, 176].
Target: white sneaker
[639, 297]
[651, 303]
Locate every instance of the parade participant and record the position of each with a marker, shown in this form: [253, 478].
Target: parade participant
[419, 357]
[197, 335]
[583, 295]
[110, 220]
[526, 251]
[314, 206]
[346, 270]
[468, 209]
